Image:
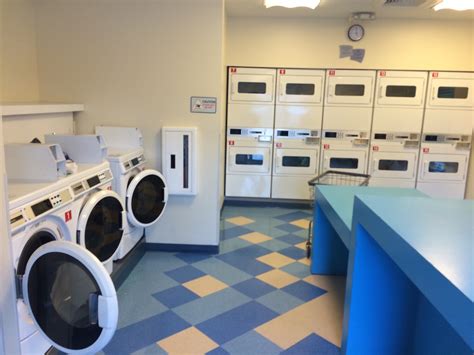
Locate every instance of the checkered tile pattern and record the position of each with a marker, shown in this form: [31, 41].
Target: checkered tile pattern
[257, 296]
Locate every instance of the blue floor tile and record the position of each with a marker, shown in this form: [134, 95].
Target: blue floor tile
[217, 351]
[185, 273]
[175, 296]
[293, 216]
[236, 322]
[293, 252]
[144, 333]
[274, 245]
[234, 232]
[291, 239]
[193, 257]
[245, 264]
[290, 228]
[254, 288]
[312, 345]
[304, 291]
[228, 274]
[251, 343]
[297, 269]
[229, 245]
[279, 301]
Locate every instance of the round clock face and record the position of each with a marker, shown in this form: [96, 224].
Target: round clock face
[355, 33]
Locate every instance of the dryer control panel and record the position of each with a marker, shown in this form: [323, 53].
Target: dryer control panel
[134, 162]
[38, 208]
[91, 182]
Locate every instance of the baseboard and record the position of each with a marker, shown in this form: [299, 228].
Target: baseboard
[188, 248]
[266, 202]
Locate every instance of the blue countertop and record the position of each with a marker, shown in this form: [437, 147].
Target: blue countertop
[432, 242]
[338, 202]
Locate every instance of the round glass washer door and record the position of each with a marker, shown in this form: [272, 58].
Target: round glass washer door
[101, 224]
[71, 297]
[147, 196]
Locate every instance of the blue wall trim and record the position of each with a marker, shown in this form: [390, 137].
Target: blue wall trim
[188, 248]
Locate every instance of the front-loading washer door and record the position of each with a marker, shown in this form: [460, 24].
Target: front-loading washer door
[71, 297]
[101, 224]
[147, 195]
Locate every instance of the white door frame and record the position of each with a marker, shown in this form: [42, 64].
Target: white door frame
[9, 339]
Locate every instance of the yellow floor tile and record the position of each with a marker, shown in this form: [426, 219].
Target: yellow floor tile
[328, 283]
[302, 223]
[188, 341]
[240, 221]
[305, 261]
[322, 316]
[301, 245]
[255, 237]
[205, 285]
[277, 278]
[276, 260]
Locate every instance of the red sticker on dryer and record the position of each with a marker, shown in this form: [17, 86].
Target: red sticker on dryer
[233, 70]
[279, 145]
[434, 74]
[68, 216]
[375, 148]
[231, 142]
[332, 72]
[326, 146]
[282, 71]
[383, 73]
[426, 150]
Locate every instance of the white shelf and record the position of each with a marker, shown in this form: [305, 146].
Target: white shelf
[38, 109]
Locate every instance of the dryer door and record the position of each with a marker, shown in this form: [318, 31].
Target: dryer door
[147, 195]
[71, 297]
[101, 223]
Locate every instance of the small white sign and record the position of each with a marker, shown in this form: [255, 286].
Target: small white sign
[203, 104]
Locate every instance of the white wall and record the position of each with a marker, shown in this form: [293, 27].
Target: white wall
[389, 44]
[136, 63]
[19, 79]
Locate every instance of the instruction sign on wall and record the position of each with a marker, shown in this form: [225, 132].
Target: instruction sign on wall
[203, 104]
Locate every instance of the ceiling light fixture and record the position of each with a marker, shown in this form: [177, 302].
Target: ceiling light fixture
[312, 4]
[458, 5]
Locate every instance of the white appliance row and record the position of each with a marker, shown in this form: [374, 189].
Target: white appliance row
[404, 128]
[68, 229]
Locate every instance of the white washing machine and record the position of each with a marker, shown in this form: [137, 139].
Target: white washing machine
[447, 135]
[347, 120]
[249, 162]
[251, 97]
[396, 128]
[295, 162]
[299, 102]
[66, 298]
[144, 191]
[97, 215]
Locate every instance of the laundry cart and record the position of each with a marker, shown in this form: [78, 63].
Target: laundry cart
[331, 177]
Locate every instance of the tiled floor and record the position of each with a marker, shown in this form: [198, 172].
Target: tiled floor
[256, 297]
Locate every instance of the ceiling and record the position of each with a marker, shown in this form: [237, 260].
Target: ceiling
[343, 8]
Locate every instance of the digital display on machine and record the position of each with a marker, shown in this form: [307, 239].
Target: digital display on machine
[283, 133]
[235, 131]
[330, 134]
[135, 161]
[42, 207]
[380, 136]
[431, 138]
[93, 181]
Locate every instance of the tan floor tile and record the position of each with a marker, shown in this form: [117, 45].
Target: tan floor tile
[322, 316]
[240, 221]
[302, 223]
[277, 278]
[205, 285]
[328, 283]
[255, 237]
[301, 245]
[305, 261]
[276, 260]
[188, 341]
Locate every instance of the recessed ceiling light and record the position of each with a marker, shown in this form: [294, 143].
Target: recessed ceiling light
[312, 4]
[458, 5]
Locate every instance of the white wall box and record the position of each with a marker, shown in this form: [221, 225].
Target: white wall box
[180, 159]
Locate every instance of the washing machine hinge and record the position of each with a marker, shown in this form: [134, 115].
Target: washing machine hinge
[78, 237]
[19, 286]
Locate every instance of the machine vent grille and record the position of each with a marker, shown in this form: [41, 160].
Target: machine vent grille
[409, 3]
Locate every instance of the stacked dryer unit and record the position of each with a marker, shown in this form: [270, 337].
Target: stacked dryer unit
[447, 134]
[144, 191]
[347, 120]
[396, 128]
[66, 298]
[298, 120]
[250, 115]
